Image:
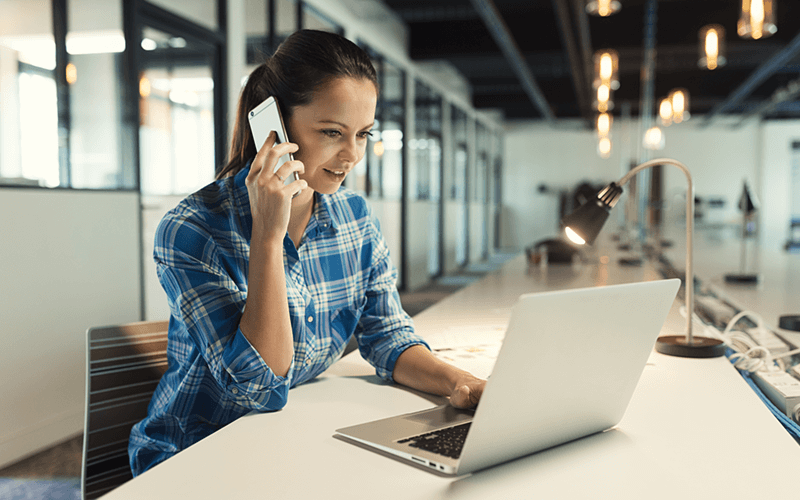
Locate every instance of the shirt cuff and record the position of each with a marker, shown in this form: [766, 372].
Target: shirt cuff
[386, 371]
[253, 384]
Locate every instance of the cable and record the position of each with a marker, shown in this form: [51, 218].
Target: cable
[747, 355]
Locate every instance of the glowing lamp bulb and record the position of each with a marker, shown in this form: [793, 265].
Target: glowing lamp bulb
[573, 236]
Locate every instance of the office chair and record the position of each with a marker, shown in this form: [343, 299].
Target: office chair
[123, 366]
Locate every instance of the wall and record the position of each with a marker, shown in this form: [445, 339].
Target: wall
[559, 158]
[69, 260]
[775, 190]
[718, 156]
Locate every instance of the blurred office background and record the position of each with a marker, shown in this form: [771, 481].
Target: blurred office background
[113, 111]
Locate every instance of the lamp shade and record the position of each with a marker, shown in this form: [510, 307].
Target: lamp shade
[584, 224]
[748, 203]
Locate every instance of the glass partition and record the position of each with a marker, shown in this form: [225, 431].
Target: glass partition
[176, 87]
[393, 117]
[95, 41]
[481, 184]
[426, 148]
[458, 189]
[425, 179]
[29, 135]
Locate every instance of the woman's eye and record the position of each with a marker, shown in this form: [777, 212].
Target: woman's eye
[331, 133]
[366, 134]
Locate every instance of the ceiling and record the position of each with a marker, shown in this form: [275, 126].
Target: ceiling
[554, 40]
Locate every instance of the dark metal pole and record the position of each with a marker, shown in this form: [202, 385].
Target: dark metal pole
[60, 28]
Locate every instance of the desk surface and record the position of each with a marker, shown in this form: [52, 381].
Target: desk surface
[693, 429]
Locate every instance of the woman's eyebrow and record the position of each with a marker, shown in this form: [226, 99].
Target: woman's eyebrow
[343, 125]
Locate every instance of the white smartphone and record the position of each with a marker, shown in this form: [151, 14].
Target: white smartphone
[265, 118]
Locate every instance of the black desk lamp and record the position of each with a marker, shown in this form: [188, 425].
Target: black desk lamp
[748, 204]
[584, 224]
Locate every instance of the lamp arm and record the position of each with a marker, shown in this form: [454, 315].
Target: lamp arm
[689, 281]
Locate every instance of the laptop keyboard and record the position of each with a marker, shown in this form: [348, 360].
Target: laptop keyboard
[447, 442]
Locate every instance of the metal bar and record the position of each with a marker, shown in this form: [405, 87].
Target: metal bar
[649, 63]
[646, 107]
[271, 27]
[778, 99]
[60, 29]
[502, 36]
[585, 40]
[757, 77]
[575, 61]
[299, 16]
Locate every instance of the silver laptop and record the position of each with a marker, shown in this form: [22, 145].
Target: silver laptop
[568, 367]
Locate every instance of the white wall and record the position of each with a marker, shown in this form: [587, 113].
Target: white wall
[69, 260]
[775, 189]
[719, 158]
[557, 157]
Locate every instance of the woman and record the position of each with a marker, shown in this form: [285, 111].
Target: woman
[265, 289]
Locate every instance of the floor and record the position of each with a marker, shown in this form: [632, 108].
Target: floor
[55, 472]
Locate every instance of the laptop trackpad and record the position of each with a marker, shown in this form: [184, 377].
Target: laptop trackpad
[442, 416]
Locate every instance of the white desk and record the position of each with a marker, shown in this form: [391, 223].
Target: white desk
[693, 430]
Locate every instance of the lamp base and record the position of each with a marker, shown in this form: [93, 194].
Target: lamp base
[701, 347]
[742, 279]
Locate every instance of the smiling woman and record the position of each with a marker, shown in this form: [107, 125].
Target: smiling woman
[267, 281]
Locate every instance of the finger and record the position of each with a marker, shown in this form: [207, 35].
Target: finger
[296, 186]
[261, 154]
[461, 397]
[273, 156]
[288, 168]
[475, 394]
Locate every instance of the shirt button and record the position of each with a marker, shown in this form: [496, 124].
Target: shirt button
[235, 390]
[311, 319]
[308, 361]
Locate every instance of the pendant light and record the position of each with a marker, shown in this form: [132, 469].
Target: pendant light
[679, 98]
[712, 47]
[606, 69]
[757, 19]
[603, 8]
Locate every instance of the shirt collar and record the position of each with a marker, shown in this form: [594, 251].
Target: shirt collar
[326, 211]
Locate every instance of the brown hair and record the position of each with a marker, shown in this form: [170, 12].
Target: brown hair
[302, 64]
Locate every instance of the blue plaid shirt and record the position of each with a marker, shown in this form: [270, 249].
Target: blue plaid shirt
[339, 282]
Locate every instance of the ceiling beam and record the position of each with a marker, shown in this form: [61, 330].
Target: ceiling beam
[502, 36]
[759, 76]
[576, 63]
[585, 41]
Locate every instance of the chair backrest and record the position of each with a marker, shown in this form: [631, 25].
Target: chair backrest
[123, 367]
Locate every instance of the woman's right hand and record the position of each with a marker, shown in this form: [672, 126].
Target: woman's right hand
[270, 198]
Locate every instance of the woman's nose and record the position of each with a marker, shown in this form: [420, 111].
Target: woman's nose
[349, 152]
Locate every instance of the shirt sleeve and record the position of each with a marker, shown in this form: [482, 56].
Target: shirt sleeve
[208, 304]
[384, 330]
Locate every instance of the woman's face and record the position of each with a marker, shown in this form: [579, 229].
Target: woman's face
[332, 131]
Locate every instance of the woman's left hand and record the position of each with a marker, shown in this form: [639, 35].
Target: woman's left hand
[467, 392]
